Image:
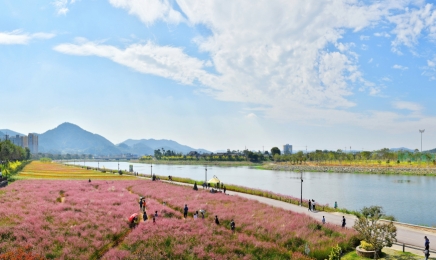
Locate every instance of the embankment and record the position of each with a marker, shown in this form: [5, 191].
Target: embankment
[352, 169]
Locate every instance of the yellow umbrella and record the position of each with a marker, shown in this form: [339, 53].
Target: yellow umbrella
[214, 180]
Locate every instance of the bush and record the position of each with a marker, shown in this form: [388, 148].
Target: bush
[366, 246]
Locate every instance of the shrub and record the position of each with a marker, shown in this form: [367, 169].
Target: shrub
[366, 246]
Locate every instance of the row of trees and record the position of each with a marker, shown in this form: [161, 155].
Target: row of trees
[384, 155]
[62, 156]
[11, 152]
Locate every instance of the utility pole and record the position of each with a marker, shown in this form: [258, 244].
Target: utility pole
[421, 131]
[205, 175]
[301, 198]
[151, 170]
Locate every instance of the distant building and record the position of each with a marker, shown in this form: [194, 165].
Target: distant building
[287, 149]
[33, 143]
[16, 140]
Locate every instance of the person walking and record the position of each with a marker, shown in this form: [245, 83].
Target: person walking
[225, 189]
[313, 205]
[232, 226]
[427, 248]
[140, 204]
[144, 216]
[310, 206]
[185, 211]
[196, 215]
[323, 220]
[343, 222]
[336, 204]
[216, 220]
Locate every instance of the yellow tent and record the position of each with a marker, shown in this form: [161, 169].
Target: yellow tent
[214, 180]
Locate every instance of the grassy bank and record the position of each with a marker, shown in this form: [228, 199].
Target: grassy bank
[426, 171]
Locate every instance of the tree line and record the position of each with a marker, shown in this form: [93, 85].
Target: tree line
[10, 152]
[384, 155]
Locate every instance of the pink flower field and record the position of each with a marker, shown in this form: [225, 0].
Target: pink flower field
[81, 220]
[63, 219]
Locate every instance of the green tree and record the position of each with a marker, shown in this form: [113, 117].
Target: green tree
[377, 234]
[275, 150]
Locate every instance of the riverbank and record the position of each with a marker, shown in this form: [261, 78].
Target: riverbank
[363, 169]
[350, 169]
[204, 163]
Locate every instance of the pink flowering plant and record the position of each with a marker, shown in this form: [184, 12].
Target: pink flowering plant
[82, 220]
[64, 219]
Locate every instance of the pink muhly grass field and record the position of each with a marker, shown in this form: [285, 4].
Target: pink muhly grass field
[260, 229]
[63, 219]
[81, 220]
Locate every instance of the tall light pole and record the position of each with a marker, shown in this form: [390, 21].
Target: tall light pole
[205, 175]
[151, 170]
[421, 131]
[301, 198]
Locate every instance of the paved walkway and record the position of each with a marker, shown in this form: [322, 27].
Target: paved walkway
[413, 236]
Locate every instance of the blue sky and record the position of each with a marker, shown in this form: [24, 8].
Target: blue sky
[220, 74]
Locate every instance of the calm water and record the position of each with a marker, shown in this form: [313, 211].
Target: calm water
[409, 198]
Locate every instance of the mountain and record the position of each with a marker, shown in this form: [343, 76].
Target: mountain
[147, 146]
[9, 132]
[401, 149]
[70, 138]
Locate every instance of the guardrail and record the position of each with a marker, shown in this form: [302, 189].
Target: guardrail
[412, 247]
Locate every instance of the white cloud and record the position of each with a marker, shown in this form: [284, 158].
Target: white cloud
[251, 116]
[370, 60]
[364, 37]
[411, 24]
[62, 6]
[399, 67]
[150, 10]
[430, 63]
[19, 37]
[164, 61]
[382, 34]
[272, 55]
[407, 105]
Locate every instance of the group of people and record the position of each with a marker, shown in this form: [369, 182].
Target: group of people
[311, 205]
[142, 206]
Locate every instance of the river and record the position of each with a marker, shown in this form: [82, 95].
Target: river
[408, 198]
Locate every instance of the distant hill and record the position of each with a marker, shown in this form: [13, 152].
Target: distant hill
[70, 138]
[9, 132]
[401, 149]
[147, 146]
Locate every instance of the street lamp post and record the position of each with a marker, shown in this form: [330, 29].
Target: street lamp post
[151, 170]
[421, 131]
[205, 175]
[118, 166]
[98, 165]
[301, 196]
